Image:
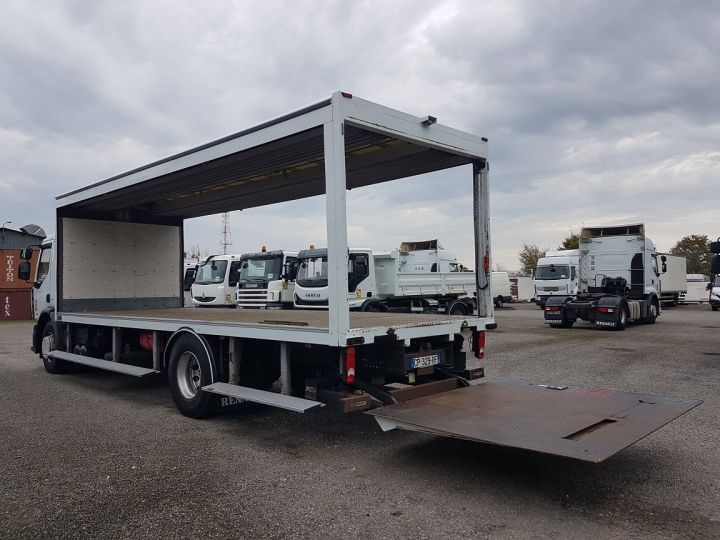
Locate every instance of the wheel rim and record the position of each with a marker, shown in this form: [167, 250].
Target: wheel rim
[189, 375]
[46, 346]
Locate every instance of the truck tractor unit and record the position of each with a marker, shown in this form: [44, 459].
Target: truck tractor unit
[419, 277]
[714, 285]
[619, 280]
[556, 274]
[267, 280]
[109, 292]
[215, 281]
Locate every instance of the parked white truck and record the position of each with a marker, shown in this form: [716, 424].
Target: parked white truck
[116, 291]
[556, 274]
[673, 282]
[216, 281]
[267, 280]
[697, 289]
[501, 291]
[419, 277]
[619, 280]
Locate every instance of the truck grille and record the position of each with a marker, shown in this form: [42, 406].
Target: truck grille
[252, 298]
[301, 302]
[204, 298]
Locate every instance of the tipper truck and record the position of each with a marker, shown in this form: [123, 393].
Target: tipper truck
[115, 293]
[618, 280]
[419, 277]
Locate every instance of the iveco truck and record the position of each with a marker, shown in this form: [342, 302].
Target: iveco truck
[267, 280]
[619, 280]
[113, 294]
[556, 274]
[419, 277]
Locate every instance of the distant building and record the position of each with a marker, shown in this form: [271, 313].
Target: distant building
[14, 239]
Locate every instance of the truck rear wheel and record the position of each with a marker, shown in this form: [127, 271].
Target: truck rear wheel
[499, 302]
[48, 343]
[621, 319]
[457, 308]
[191, 367]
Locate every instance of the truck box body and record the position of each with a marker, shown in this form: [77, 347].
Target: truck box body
[409, 274]
[673, 282]
[697, 289]
[115, 290]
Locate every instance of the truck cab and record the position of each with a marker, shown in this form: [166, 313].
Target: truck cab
[311, 284]
[714, 287]
[267, 279]
[556, 274]
[216, 281]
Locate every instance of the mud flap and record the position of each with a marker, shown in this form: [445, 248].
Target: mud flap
[580, 423]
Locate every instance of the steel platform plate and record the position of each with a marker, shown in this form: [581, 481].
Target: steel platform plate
[580, 423]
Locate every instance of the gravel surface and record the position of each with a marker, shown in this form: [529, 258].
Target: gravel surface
[93, 454]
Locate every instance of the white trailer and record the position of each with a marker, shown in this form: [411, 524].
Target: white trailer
[267, 279]
[420, 277]
[697, 289]
[673, 282]
[501, 288]
[116, 283]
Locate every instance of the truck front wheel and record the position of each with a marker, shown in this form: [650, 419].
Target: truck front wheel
[48, 343]
[191, 367]
[652, 313]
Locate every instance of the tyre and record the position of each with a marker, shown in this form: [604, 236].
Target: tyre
[650, 319]
[499, 302]
[191, 367]
[48, 343]
[621, 322]
[715, 308]
[457, 308]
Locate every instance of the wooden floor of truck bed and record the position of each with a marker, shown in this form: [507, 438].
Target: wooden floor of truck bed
[286, 318]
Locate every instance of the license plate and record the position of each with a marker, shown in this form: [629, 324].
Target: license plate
[425, 361]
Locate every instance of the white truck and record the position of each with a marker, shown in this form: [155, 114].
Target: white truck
[501, 291]
[556, 274]
[216, 281]
[697, 289]
[115, 290]
[419, 277]
[673, 282]
[619, 280]
[267, 279]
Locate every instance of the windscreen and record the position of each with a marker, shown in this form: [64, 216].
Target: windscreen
[261, 269]
[211, 272]
[552, 272]
[313, 272]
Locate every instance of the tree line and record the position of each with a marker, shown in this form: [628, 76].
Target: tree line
[695, 248]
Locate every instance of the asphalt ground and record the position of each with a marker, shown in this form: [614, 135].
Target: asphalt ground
[98, 455]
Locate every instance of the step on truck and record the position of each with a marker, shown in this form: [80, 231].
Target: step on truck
[618, 280]
[419, 277]
[115, 287]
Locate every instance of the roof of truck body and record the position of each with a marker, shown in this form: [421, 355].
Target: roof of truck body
[279, 160]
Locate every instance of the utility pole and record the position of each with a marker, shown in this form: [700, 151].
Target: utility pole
[225, 239]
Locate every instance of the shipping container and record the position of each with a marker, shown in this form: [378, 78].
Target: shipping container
[9, 262]
[15, 305]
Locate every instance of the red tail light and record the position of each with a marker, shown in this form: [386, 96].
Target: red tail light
[552, 308]
[606, 310]
[480, 346]
[350, 365]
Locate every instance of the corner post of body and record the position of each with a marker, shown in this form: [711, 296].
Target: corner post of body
[336, 221]
[481, 218]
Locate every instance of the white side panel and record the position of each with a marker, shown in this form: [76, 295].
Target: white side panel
[675, 279]
[109, 259]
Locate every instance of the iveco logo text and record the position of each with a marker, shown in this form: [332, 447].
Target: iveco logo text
[312, 295]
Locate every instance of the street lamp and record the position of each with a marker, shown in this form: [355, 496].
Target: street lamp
[2, 229]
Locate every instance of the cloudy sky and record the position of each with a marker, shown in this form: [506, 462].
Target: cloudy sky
[596, 112]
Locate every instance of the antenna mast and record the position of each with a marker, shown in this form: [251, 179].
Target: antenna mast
[225, 239]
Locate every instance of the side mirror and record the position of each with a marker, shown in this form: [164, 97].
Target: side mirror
[664, 267]
[24, 271]
[26, 254]
[709, 287]
[663, 258]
